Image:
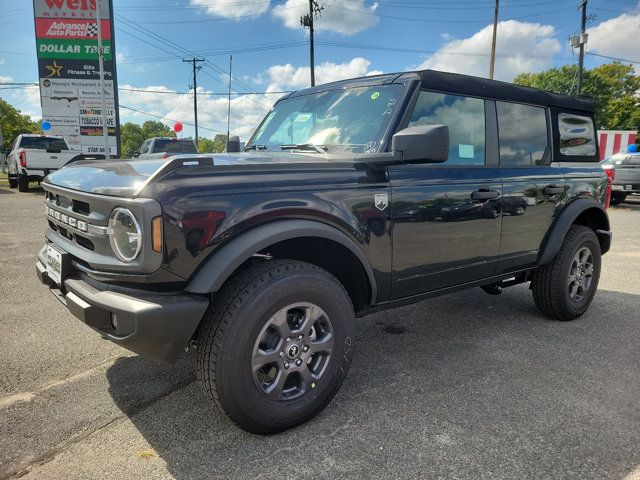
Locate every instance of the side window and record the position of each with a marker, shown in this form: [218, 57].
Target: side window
[145, 146]
[577, 135]
[522, 131]
[465, 118]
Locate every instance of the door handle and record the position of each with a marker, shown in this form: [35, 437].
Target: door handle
[53, 157]
[552, 190]
[484, 194]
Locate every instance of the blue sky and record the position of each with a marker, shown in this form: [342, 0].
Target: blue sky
[354, 37]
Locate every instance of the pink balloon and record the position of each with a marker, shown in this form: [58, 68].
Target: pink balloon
[177, 127]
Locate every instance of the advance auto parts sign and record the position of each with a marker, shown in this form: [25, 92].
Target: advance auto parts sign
[67, 47]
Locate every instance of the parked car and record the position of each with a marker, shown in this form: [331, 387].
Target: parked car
[164, 147]
[627, 175]
[263, 259]
[33, 157]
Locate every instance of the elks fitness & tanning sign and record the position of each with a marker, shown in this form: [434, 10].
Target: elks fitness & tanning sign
[67, 44]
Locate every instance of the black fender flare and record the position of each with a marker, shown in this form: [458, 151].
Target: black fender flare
[568, 215]
[221, 265]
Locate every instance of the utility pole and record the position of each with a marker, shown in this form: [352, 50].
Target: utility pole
[105, 127]
[229, 102]
[493, 41]
[193, 61]
[307, 21]
[583, 40]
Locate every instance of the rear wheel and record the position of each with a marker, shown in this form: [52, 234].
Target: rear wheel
[564, 288]
[618, 198]
[23, 183]
[276, 344]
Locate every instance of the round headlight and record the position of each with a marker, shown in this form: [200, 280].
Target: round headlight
[125, 234]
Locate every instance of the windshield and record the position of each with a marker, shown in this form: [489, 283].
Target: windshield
[43, 143]
[346, 120]
[174, 146]
[615, 160]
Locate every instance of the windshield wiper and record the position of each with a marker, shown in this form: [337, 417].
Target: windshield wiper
[305, 146]
[255, 147]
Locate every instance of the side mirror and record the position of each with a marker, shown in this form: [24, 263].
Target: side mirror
[233, 144]
[136, 153]
[422, 143]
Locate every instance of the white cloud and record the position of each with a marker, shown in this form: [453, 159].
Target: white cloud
[5, 78]
[288, 77]
[246, 111]
[617, 37]
[342, 16]
[520, 47]
[27, 100]
[232, 9]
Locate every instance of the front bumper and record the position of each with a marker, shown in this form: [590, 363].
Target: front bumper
[157, 326]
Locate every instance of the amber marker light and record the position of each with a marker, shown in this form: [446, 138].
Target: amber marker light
[156, 234]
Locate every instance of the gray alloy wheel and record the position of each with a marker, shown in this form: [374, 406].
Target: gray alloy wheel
[580, 276]
[292, 351]
[275, 344]
[564, 288]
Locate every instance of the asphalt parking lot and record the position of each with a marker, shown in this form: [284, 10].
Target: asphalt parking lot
[463, 386]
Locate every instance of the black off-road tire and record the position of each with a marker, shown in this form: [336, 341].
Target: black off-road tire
[617, 198]
[235, 320]
[23, 183]
[13, 182]
[549, 283]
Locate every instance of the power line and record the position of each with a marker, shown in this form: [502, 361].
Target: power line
[613, 58]
[199, 93]
[168, 119]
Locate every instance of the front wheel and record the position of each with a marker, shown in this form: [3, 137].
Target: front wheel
[564, 288]
[276, 344]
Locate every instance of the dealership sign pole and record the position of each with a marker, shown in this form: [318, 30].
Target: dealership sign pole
[76, 63]
[105, 128]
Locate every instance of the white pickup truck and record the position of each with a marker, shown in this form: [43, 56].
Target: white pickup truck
[33, 157]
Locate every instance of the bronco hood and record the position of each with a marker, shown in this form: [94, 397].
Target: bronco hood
[123, 178]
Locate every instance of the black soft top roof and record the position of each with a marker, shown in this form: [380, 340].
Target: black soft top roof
[493, 89]
[465, 85]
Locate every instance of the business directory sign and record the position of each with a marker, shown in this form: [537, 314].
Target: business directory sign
[68, 68]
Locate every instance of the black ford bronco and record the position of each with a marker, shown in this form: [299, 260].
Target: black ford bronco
[349, 198]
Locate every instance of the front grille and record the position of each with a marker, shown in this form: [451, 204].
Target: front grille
[78, 224]
[72, 218]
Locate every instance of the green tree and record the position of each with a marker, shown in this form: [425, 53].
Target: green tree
[217, 145]
[132, 135]
[13, 123]
[613, 86]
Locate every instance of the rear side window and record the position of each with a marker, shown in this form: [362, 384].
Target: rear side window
[465, 118]
[522, 130]
[43, 143]
[144, 148]
[174, 146]
[577, 135]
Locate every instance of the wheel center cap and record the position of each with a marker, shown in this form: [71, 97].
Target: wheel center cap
[293, 351]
